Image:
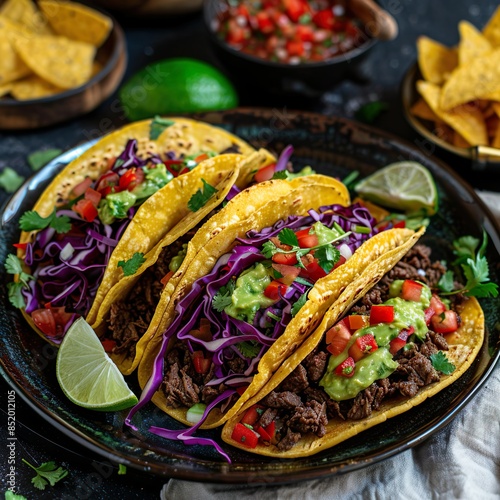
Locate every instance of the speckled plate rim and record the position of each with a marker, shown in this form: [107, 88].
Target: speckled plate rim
[279, 473]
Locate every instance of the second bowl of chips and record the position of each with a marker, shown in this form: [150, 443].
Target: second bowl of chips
[58, 60]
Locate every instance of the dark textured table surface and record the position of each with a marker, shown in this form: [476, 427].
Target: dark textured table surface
[379, 78]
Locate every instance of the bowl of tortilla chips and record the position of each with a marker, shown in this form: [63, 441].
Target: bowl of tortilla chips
[58, 60]
[451, 95]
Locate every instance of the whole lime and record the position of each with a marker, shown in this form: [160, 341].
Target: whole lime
[180, 85]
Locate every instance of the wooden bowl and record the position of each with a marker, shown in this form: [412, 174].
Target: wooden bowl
[149, 8]
[36, 113]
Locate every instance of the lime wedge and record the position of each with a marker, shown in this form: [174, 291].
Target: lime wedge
[406, 185]
[86, 373]
[172, 86]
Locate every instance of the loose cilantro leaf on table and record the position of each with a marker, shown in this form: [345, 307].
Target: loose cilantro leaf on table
[200, 198]
[32, 221]
[47, 473]
[38, 159]
[370, 111]
[10, 180]
[474, 267]
[131, 265]
[10, 495]
[441, 363]
[222, 298]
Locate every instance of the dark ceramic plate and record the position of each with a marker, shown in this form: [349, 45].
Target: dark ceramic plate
[332, 146]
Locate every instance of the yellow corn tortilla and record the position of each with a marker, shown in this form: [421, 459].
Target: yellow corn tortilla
[464, 347]
[183, 137]
[321, 297]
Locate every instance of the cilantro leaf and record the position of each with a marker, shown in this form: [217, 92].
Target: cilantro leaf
[327, 257]
[15, 294]
[13, 264]
[298, 305]
[441, 363]
[32, 221]
[38, 159]
[131, 265]
[269, 249]
[10, 180]
[158, 125]
[10, 495]
[281, 174]
[222, 298]
[446, 282]
[122, 469]
[249, 349]
[47, 473]
[370, 111]
[200, 198]
[288, 237]
[465, 248]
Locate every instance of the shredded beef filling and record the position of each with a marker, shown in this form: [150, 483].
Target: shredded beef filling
[299, 406]
[130, 318]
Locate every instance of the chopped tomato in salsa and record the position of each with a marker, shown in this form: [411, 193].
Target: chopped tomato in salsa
[289, 31]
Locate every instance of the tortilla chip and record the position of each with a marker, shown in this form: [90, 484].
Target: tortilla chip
[25, 12]
[12, 66]
[477, 80]
[467, 120]
[64, 63]
[33, 87]
[443, 131]
[76, 21]
[435, 60]
[492, 29]
[496, 108]
[422, 110]
[472, 43]
[5, 89]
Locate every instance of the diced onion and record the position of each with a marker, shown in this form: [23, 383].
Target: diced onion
[195, 413]
[67, 252]
[345, 251]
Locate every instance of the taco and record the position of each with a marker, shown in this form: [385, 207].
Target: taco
[133, 309]
[388, 343]
[103, 207]
[242, 307]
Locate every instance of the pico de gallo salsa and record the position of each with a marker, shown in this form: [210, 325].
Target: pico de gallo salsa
[289, 31]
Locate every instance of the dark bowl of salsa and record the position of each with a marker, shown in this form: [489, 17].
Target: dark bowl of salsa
[287, 44]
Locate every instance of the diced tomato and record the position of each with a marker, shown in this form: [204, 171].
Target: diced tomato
[437, 304]
[399, 224]
[313, 271]
[265, 173]
[93, 196]
[264, 436]
[80, 188]
[446, 322]
[166, 278]
[251, 415]
[411, 290]
[396, 344]
[337, 338]
[295, 48]
[108, 344]
[110, 163]
[201, 158]
[304, 33]
[264, 22]
[346, 368]
[357, 321]
[242, 434]
[21, 246]
[295, 9]
[288, 259]
[242, 389]
[352, 30]
[85, 209]
[51, 321]
[242, 10]
[271, 430]
[307, 240]
[200, 363]
[106, 182]
[275, 289]
[341, 261]
[362, 346]
[289, 273]
[236, 34]
[324, 19]
[381, 314]
[406, 332]
[131, 178]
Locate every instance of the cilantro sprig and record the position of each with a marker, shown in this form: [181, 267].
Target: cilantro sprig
[13, 266]
[47, 473]
[222, 298]
[131, 265]
[297, 306]
[441, 363]
[327, 255]
[474, 266]
[33, 221]
[249, 349]
[201, 197]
